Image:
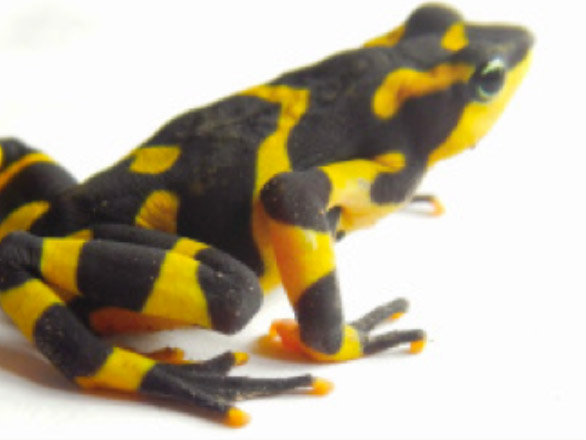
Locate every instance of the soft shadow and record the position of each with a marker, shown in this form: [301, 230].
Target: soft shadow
[28, 365]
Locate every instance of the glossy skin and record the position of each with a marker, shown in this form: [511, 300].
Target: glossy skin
[225, 202]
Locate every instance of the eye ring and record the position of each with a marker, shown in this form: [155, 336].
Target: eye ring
[489, 79]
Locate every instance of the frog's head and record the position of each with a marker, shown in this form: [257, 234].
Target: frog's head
[455, 79]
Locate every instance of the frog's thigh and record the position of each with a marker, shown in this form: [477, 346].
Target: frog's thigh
[128, 286]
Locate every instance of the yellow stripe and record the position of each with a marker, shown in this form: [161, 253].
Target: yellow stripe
[177, 293]
[123, 370]
[455, 37]
[394, 161]
[351, 183]
[83, 234]
[59, 262]
[316, 249]
[351, 348]
[403, 84]
[16, 167]
[189, 248]
[478, 117]
[1, 155]
[26, 303]
[389, 39]
[159, 211]
[272, 159]
[23, 217]
[154, 160]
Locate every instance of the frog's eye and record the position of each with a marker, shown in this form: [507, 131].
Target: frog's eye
[488, 79]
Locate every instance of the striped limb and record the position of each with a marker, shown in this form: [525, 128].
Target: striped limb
[297, 206]
[41, 280]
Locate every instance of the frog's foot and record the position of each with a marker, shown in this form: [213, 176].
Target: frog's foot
[218, 392]
[205, 385]
[437, 207]
[357, 340]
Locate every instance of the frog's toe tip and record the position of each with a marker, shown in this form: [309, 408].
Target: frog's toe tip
[396, 316]
[321, 387]
[417, 346]
[236, 418]
[240, 358]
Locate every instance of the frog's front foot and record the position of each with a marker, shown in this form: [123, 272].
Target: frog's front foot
[357, 340]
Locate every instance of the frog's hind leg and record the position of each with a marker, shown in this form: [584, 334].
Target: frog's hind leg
[40, 276]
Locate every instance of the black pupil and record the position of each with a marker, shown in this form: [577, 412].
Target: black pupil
[492, 81]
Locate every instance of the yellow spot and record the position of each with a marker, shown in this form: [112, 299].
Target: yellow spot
[16, 167]
[154, 160]
[59, 262]
[189, 248]
[23, 217]
[455, 37]
[289, 242]
[83, 234]
[236, 418]
[403, 84]
[478, 117]
[177, 294]
[240, 358]
[389, 39]
[397, 315]
[123, 371]
[394, 161]
[417, 346]
[272, 159]
[321, 387]
[26, 303]
[159, 211]
[1, 155]
[351, 182]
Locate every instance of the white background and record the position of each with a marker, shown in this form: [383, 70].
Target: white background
[497, 281]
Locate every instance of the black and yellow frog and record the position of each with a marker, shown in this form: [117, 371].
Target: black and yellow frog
[228, 201]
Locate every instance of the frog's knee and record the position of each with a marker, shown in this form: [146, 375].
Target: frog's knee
[20, 253]
[232, 290]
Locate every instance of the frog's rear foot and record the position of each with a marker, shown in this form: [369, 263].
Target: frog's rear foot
[212, 390]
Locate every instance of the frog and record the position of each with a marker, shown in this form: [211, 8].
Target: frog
[226, 202]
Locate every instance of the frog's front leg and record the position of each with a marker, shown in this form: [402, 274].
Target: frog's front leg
[297, 205]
